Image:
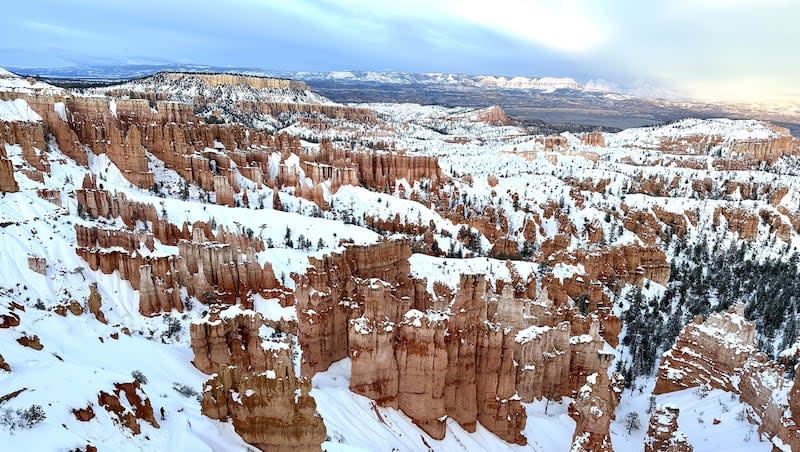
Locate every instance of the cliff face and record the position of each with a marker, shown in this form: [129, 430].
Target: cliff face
[238, 79]
[662, 432]
[224, 269]
[743, 140]
[7, 181]
[378, 171]
[326, 297]
[254, 384]
[595, 138]
[434, 365]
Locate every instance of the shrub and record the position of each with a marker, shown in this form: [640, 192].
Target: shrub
[184, 390]
[139, 376]
[22, 418]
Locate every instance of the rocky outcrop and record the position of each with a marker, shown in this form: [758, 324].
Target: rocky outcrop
[377, 170]
[4, 365]
[37, 264]
[240, 338]
[273, 411]
[730, 138]
[30, 341]
[469, 356]
[421, 355]
[210, 271]
[543, 354]
[371, 337]
[772, 400]
[594, 138]
[84, 414]
[593, 411]
[490, 115]
[721, 353]
[662, 432]
[739, 220]
[711, 353]
[94, 237]
[135, 407]
[95, 304]
[254, 384]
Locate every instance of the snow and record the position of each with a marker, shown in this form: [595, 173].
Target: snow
[380, 428]
[61, 109]
[448, 271]
[531, 333]
[730, 129]
[17, 110]
[696, 420]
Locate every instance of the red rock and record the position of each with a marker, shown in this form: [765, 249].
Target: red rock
[137, 400]
[594, 138]
[714, 351]
[32, 342]
[84, 414]
[663, 434]
[593, 411]
[254, 383]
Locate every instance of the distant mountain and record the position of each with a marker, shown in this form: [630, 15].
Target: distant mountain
[529, 99]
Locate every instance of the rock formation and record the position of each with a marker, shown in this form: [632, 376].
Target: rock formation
[710, 353]
[721, 353]
[7, 181]
[135, 408]
[594, 138]
[254, 383]
[469, 355]
[593, 411]
[662, 432]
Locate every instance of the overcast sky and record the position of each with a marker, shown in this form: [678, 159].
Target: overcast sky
[738, 50]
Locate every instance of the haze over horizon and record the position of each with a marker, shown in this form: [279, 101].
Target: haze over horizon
[737, 51]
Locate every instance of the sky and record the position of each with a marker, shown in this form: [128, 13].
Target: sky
[731, 50]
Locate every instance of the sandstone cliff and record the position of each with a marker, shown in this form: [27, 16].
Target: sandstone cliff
[254, 383]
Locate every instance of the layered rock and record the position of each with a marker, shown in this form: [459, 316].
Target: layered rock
[721, 353]
[254, 81]
[543, 354]
[254, 384]
[374, 371]
[711, 353]
[662, 432]
[241, 338]
[773, 401]
[422, 362]
[379, 171]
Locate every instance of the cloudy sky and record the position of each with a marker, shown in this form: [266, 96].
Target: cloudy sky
[736, 50]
